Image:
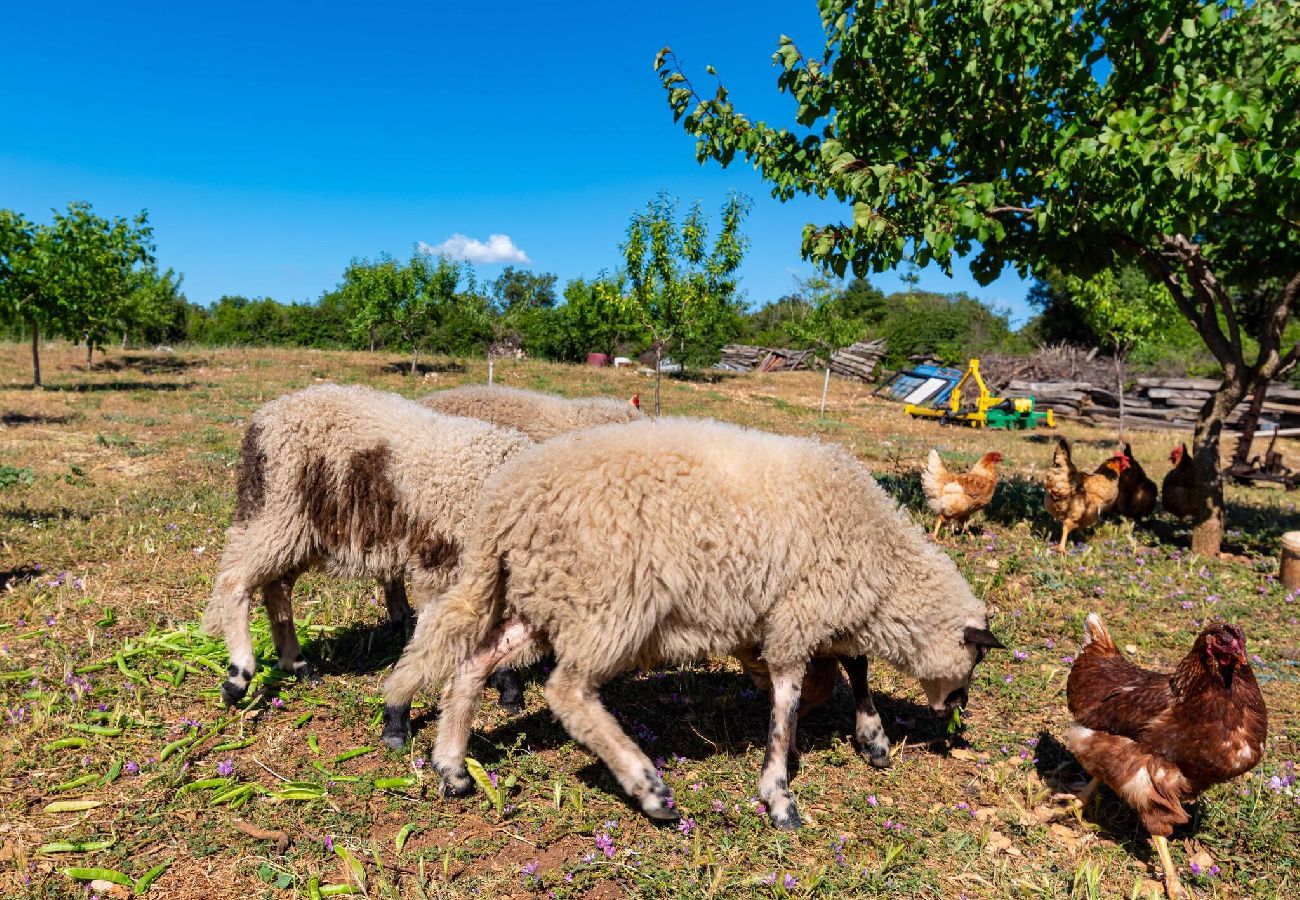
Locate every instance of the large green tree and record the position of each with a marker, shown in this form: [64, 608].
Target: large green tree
[1073, 134]
[828, 327]
[27, 297]
[678, 286]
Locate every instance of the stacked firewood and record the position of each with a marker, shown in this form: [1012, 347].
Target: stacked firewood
[855, 361]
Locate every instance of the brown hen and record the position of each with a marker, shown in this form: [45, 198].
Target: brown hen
[1077, 500]
[1158, 739]
[954, 498]
[1137, 492]
[1178, 492]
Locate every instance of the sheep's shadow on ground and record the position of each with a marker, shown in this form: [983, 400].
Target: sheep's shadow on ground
[360, 649]
[1062, 774]
[422, 368]
[12, 419]
[695, 714]
[148, 364]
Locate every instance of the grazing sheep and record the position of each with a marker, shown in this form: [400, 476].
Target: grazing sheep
[662, 542]
[364, 483]
[540, 416]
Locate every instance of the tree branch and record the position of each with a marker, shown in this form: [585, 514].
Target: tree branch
[1206, 286]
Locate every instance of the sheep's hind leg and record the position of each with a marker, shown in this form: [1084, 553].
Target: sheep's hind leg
[774, 783]
[574, 698]
[868, 729]
[508, 640]
[278, 597]
[510, 686]
[400, 614]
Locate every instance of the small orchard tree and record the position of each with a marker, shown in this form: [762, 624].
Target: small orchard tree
[1123, 307]
[26, 293]
[1074, 134]
[95, 262]
[826, 328]
[412, 299]
[677, 285]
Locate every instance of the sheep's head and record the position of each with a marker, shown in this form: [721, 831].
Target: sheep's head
[968, 648]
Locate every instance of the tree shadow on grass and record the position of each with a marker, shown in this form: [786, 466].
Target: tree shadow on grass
[92, 387]
[422, 368]
[13, 419]
[148, 364]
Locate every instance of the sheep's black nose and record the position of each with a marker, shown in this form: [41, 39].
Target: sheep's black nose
[955, 699]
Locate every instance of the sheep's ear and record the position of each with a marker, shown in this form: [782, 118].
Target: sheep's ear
[982, 637]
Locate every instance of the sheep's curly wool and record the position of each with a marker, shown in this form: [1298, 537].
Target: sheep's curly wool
[364, 483]
[538, 415]
[661, 542]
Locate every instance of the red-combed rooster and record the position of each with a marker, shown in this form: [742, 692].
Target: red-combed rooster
[1158, 740]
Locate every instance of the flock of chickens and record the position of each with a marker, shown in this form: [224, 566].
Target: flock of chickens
[1075, 499]
[1156, 739]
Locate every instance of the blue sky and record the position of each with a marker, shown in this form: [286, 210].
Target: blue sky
[272, 142]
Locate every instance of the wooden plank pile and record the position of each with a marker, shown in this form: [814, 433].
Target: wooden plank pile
[858, 361]
[855, 361]
[1155, 403]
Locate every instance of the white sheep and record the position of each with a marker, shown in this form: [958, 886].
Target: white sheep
[661, 542]
[538, 415]
[364, 483]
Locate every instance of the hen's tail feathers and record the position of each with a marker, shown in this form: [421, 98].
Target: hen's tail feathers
[449, 631]
[1095, 634]
[931, 477]
[1061, 456]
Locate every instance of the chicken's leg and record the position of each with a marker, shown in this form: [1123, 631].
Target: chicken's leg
[1065, 532]
[1173, 887]
[938, 523]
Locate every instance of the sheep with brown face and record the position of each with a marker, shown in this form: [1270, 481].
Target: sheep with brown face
[363, 483]
[661, 542]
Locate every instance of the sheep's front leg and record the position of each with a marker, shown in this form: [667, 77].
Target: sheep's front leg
[277, 595]
[233, 595]
[868, 729]
[574, 698]
[774, 783]
[460, 700]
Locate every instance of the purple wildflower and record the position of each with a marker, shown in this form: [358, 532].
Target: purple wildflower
[789, 881]
[226, 768]
[686, 825]
[132, 768]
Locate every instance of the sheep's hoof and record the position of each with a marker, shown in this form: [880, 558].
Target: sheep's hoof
[456, 784]
[232, 693]
[304, 672]
[659, 813]
[397, 726]
[788, 818]
[878, 756]
[512, 706]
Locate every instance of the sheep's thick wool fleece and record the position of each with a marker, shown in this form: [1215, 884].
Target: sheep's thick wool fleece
[362, 480]
[674, 539]
[540, 416]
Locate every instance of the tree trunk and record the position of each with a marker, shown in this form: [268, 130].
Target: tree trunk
[415, 354]
[1119, 390]
[36, 355]
[659, 359]
[372, 339]
[490, 373]
[1208, 524]
[1250, 425]
[90, 353]
[826, 383]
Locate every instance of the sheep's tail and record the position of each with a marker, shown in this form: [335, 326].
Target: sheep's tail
[932, 477]
[449, 631]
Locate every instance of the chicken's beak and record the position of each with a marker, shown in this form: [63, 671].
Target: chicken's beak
[1241, 657]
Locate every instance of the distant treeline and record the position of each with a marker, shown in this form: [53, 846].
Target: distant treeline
[522, 308]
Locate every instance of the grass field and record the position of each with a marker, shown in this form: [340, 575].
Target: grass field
[116, 487]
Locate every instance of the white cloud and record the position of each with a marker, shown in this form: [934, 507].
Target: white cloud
[498, 249]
